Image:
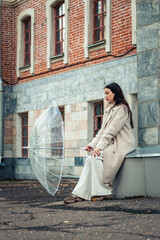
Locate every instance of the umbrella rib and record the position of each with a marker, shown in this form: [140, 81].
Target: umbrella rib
[46, 169]
[28, 147]
[48, 182]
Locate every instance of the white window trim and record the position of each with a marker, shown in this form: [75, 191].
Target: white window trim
[30, 12]
[108, 25]
[12, 3]
[89, 24]
[134, 22]
[50, 41]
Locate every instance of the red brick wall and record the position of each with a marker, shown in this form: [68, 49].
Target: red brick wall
[121, 38]
[8, 44]
[121, 26]
[76, 31]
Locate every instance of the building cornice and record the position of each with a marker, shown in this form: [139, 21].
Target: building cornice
[12, 3]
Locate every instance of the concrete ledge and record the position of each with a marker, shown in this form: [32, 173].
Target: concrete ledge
[16, 168]
[139, 174]
[153, 151]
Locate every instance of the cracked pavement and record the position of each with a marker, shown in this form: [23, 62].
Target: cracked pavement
[27, 211]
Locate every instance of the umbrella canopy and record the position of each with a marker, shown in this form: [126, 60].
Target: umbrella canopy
[46, 148]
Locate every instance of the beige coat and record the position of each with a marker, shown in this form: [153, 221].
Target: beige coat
[115, 139]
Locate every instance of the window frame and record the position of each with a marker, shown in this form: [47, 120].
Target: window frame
[59, 30]
[30, 12]
[24, 137]
[58, 152]
[97, 116]
[88, 35]
[62, 111]
[50, 14]
[25, 42]
[102, 25]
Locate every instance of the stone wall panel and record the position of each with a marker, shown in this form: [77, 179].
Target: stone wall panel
[148, 137]
[148, 63]
[147, 12]
[148, 114]
[146, 43]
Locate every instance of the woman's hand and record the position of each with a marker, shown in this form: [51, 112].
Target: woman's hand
[88, 148]
[96, 152]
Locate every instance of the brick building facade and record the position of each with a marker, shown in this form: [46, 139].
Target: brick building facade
[68, 51]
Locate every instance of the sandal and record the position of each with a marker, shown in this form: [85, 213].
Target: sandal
[73, 199]
[102, 198]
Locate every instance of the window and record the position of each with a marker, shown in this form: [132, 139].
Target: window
[61, 109]
[99, 16]
[97, 25]
[24, 134]
[60, 28]
[98, 116]
[57, 13]
[57, 148]
[27, 41]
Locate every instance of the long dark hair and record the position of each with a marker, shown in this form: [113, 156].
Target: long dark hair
[119, 98]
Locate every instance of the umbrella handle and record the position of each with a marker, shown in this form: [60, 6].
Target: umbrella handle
[27, 147]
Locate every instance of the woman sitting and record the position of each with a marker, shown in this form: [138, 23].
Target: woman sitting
[108, 149]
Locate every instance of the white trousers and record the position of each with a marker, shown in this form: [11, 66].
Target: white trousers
[90, 182]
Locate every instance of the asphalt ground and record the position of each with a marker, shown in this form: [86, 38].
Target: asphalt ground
[27, 211]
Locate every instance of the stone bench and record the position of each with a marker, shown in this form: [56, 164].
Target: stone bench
[139, 174]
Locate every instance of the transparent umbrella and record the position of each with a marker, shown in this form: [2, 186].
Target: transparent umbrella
[46, 148]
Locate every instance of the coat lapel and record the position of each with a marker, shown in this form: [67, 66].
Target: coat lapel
[109, 114]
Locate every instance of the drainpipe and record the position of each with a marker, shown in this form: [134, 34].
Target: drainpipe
[1, 121]
[1, 101]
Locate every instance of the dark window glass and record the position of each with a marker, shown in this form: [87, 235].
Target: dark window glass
[27, 41]
[62, 112]
[24, 120]
[99, 15]
[98, 7]
[58, 24]
[27, 59]
[98, 110]
[97, 35]
[58, 36]
[58, 50]
[59, 28]
[57, 147]
[27, 37]
[98, 116]
[27, 24]
[97, 21]
[24, 133]
[27, 48]
[24, 142]
[59, 10]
